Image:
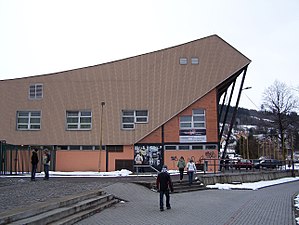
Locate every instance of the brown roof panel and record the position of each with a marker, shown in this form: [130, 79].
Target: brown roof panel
[154, 81]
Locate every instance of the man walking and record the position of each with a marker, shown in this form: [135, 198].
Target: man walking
[164, 185]
[34, 162]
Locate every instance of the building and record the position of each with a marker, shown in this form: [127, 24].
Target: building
[161, 105]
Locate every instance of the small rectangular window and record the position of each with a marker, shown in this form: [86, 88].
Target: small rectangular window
[197, 147]
[194, 61]
[87, 147]
[141, 116]
[183, 61]
[115, 148]
[128, 119]
[170, 147]
[211, 147]
[184, 147]
[35, 91]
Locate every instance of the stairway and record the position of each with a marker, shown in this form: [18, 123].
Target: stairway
[178, 186]
[67, 210]
[183, 186]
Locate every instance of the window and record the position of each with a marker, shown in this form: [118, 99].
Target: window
[211, 147]
[185, 122]
[170, 147]
[115, 148]
[194, 61]
[36, 91]
[128, 121]
[131, 117]
[141, 116]
[184, 147]
[183, 61]
[197, 120]
[197, 146]
[28, 120]
[78, 120]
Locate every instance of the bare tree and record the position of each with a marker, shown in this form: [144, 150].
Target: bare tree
[279, 101]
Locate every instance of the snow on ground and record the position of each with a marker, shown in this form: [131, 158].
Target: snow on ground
[124, 172]
[254, 185]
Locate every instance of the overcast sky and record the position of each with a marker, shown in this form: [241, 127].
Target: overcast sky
[41, 37]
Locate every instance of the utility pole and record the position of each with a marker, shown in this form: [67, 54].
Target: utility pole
[101, 135]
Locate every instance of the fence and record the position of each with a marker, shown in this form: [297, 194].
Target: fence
[16, 159]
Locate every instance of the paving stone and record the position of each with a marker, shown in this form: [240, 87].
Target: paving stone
[269, 206]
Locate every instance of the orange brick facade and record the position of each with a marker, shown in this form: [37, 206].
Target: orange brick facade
[96, 160]
[171, 135]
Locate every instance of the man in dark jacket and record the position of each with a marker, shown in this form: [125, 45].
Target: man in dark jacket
[34, 162]
[164, 185]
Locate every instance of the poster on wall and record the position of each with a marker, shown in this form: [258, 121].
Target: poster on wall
[193, 135]
[148, 155]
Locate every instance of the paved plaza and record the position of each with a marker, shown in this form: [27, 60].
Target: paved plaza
[272, 206]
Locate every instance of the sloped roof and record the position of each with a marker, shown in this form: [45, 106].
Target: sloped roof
[154, 81]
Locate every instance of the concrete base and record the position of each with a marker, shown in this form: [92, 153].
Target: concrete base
[210, 179]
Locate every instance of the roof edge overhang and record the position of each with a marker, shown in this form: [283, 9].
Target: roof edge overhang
[118, 60]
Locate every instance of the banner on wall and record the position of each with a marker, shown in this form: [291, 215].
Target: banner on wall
[148, 155]
[193, 135]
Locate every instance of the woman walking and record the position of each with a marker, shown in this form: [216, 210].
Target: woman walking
[181, 165]
[191, 169]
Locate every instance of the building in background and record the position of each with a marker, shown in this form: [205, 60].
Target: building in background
[159, 106]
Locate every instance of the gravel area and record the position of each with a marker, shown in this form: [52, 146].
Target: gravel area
[19, 192]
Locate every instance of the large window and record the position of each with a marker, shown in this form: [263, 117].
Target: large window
[36, 91]
[78, 120]
[193, 127]
[131, 117]
[28, 120]
[197, 120]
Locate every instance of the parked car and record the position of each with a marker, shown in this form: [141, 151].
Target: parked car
[256, 162]
[244, 163]
[269, 163]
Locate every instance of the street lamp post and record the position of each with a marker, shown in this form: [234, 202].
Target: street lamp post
[101, 135]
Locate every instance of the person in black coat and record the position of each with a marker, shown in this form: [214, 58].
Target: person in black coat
[164, 185]
[34, 162]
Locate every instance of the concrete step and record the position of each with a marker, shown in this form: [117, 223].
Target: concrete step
[178, 186]
[68, 209]
[84, 214]
[185, 187]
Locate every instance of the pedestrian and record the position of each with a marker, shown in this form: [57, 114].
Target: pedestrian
[227, 162]
[181, 165]
[138, 161]
[34, 162]
[46, 161]
[191, 169]
[164, 185]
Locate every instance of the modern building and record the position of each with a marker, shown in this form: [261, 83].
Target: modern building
[160, 105]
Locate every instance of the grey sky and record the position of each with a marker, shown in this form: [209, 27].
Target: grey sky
[41, 37]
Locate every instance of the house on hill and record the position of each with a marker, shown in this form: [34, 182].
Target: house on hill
[160, 106]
